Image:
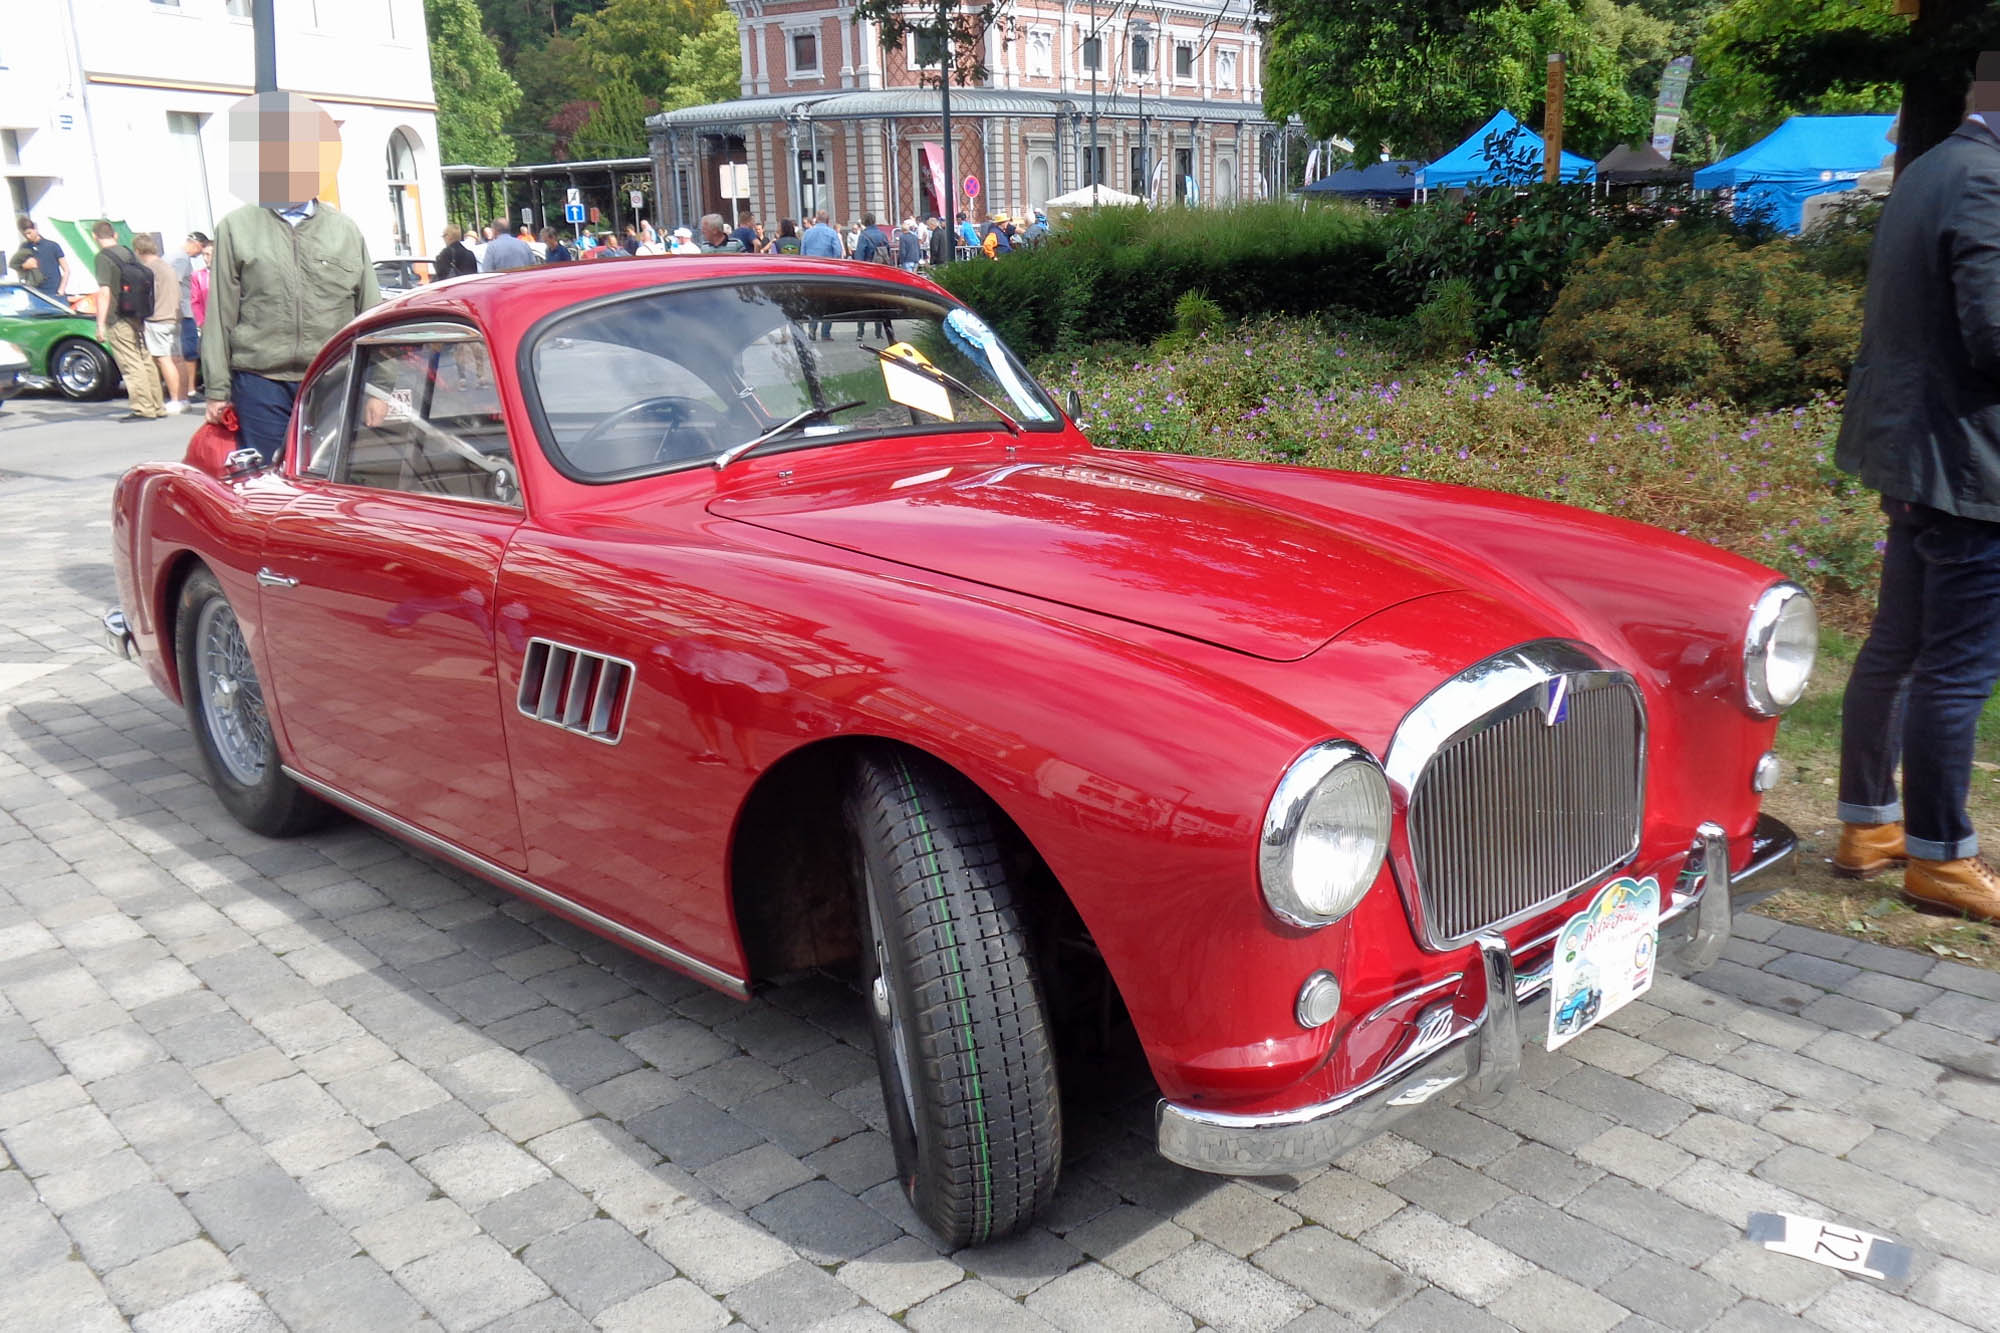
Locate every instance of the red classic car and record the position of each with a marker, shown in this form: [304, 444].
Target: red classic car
[765, 614]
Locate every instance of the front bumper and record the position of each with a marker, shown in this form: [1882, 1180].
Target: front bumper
[1481, 1053]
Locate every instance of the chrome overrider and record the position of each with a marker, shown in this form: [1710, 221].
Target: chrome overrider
[118, 634]
[1482, 1054]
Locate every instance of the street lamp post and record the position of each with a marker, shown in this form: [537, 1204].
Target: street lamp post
[1142, 29]
[944, 82]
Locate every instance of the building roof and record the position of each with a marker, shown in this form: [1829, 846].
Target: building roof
[973, 103]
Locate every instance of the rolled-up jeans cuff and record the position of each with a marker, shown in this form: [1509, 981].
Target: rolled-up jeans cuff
[1849, 813]
[1923, 849]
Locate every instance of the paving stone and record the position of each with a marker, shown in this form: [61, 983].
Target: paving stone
[1461, 1262]
[1859, 1305]
[678, 1046]
[718, 1248]
[867, 1159]
[481, 1169]
[366, 1186]
[420, 1230]
[242, 1207]
[387, 1092]
[1669, 1294]
[1459, 1135]
[1961, 1292]
[1624, 1101]
[1778, 1280]
[1092, 1298]
[1338, 1273]
[900, 1274]
[1554, 1241]
[692, 1133]
[748, 1178]
[321, 1144]
[795, 1297]
[593, 1154]
[471, 1283]
[824, 1223]
[354, 1294]
[1853, 1190]
[1561, 1124]
[129, 1225]
[1021, 1263]
[1435, 1311]
[538, 1210]
[596, 1264]
[679, 1305]
[1237, 1219]
[1822, 1130]
[1128, 1239]
[431, 1128]
[1553, 1304]
[973, 1304]
[226, 1307]
[299, 1247]
[1348, 1204]
[1223, 1291]
[1649, 1218]
[630, 1093]
[1722, 1139]
[1453, 1192]
[167, 1275]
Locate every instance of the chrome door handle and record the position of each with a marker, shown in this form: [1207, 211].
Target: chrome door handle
[270, 580]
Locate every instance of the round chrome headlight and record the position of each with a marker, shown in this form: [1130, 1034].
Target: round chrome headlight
[1779, 648]
[1325, 834]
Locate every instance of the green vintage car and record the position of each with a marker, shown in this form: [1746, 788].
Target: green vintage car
[61, 345]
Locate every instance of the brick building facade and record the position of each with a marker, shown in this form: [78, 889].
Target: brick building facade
[1169, 96]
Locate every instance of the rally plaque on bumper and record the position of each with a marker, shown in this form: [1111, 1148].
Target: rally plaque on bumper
[1604, 957]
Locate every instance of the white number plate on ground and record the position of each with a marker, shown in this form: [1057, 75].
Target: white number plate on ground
[1604, 957]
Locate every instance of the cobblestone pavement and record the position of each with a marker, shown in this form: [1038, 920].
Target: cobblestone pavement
[328, 1084]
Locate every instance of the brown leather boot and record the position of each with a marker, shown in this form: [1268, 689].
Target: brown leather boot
[1968, 885]
[1868, 849]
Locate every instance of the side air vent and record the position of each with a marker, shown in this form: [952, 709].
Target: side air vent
[575, 690]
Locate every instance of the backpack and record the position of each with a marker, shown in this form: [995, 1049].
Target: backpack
[135, 285]
[885, 247]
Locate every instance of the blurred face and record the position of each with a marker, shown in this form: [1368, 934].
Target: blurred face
[191, 246]
[283, 149]
[32, 235]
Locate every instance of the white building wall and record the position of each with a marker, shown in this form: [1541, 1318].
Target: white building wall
[88, 119]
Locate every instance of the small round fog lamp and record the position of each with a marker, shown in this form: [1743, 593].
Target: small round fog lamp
[1319, 1000]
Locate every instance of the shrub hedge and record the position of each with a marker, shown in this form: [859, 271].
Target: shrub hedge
[1115, 274]
[1705, 316]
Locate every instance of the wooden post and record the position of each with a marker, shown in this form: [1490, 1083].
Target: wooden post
[1552, 122]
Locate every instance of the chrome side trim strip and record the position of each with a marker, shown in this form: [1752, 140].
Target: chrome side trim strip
[527, 888]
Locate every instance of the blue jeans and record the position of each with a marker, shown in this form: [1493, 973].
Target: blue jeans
[1935, 651]
[263, 411]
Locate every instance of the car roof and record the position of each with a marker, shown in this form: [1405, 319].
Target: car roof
[508, 304]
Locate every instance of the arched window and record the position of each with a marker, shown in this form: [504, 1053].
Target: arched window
[1038, 180]
[401, 171]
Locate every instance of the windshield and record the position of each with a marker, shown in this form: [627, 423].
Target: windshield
[681, 376]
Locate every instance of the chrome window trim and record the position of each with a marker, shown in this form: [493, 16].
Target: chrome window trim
[527, 888]
[1483, 695]
[428, 331]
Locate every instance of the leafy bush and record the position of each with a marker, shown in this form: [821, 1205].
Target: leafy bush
[1449, 320]
[1839, 246]
[1760, 483]
[1115, 274]
[1708, 317]
[1195, 315]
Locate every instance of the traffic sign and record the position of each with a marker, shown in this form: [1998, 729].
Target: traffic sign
[575, 196]
[972, 187]
[573, 211]
[638, 201]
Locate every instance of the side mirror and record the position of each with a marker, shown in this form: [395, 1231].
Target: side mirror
[1073, 404]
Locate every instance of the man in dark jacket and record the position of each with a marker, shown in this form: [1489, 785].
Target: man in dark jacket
[941, 242]
[1922, 426]
[455, 259]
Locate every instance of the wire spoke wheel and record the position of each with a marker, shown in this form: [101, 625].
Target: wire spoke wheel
[232, 703]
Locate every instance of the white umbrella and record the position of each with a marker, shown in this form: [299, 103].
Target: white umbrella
[1093, 196]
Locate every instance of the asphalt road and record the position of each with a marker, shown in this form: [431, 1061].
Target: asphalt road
[330, 1084]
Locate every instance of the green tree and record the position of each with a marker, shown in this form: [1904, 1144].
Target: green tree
[617, 128]
[551, 76]
[517, 26]
[638, 39]
[707, 66]
[1417, 75]
[1766, 59]
[474, 94]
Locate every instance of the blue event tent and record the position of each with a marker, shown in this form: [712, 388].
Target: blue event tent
[1468, 163]
[1377, 180]
[1806, 155]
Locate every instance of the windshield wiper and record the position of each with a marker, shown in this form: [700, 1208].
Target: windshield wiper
[936, 376]
[734, 452]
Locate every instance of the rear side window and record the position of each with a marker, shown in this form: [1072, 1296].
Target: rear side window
[427, 418]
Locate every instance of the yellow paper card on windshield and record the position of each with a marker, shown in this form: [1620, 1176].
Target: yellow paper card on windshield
[911, 389]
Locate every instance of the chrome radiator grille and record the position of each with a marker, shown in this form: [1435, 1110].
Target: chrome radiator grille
[1517, 811]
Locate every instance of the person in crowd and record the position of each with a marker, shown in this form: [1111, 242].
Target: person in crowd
[872, 245]
[1919, 426]
[124, 304]
[684, 242]
[745, 234]
[717, 239]
[526, 236]
[162, 329]
[940, 243]
[455, 259]
[477, 244]
[198, 305]
[553, 248]
[629, 240]
[1036, 231]
[909, 248]
[821, 241]
[40, 262]
[788, 238]
[968, 234]
[259, 337]
[192, 254]
[505, 251]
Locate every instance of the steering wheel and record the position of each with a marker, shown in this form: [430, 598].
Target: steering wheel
[689, 426]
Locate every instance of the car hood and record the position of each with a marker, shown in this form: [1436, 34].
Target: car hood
[1123, 539]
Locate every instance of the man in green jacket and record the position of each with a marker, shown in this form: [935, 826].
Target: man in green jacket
[289, 270]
